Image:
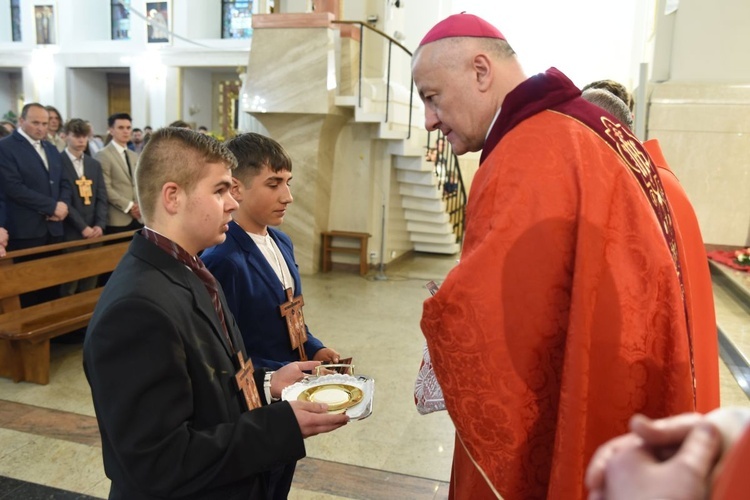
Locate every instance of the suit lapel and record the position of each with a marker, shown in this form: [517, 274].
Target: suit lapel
[88, 168]
[288, 257]
[120, 160]
[255, 259]
[181, 275]
[30, 150]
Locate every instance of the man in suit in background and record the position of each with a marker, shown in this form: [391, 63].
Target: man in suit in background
[118, 166]
[88, 205]
[36, 194]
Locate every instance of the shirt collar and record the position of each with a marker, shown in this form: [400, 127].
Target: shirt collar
[497, 113]
[119, 148]
[70, 155]
[27, 137]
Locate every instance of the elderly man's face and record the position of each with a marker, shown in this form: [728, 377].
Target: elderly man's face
[447, 86]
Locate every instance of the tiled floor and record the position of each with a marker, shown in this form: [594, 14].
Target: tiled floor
[48, 433]
[49, 436]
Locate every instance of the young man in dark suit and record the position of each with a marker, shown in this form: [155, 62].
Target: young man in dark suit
[87, 216]
[162, 351]
[36, 194]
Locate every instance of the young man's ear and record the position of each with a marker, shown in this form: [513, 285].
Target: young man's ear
[170, 197]
[236, 190]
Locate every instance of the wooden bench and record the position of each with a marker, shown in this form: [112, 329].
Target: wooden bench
[25, 332]
[329, 248]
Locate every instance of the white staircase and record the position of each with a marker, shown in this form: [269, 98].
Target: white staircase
[427, 219]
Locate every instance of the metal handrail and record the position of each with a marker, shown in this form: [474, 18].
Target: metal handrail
[454, 193]
[391, 42]
[451, 184]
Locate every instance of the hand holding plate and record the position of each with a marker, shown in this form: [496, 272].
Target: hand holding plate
[289, 374]
[313, 418]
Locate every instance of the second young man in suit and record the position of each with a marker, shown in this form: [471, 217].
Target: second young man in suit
[256, 265]
[87, 217]
[118, 167]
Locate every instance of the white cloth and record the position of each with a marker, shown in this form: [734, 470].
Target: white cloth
[428, 395]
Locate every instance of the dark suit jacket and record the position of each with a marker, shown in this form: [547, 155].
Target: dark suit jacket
[162, 380]
[31, 192]
[254, 294]
[81, 215]
[2, 206]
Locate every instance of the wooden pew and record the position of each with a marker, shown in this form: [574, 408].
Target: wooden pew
[25, 333]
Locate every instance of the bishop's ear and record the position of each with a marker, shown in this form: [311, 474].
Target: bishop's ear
[482, 67]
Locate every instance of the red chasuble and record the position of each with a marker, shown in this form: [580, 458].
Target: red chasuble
[733, 481]
[565, 315]
[698, 290]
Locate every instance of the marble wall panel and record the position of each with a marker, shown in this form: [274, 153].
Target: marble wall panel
[704, 131]
[292, 70]
[310, 141]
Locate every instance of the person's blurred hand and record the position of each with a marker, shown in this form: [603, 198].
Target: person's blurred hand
[670, 458]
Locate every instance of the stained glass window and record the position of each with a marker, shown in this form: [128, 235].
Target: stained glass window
[15, 19]
[120, 19]
[236, 18]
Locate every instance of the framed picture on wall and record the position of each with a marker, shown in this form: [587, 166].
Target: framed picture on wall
[236, 19]
[44, 17]
[157, 15]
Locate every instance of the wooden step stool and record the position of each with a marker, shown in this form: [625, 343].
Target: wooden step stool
[328, 248]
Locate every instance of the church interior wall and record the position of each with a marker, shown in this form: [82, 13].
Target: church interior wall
[699, 109]
[353, 180]
[197, 97]
[88, 96]
[8, 95]
[693, 110]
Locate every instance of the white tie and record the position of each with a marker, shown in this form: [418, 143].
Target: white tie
[42, 154]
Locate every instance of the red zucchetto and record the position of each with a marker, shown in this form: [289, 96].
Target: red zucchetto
[461, 25]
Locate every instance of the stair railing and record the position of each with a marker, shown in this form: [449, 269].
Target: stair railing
[450, 181]
[447, 169]
[391, 43]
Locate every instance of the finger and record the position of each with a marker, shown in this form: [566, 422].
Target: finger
[596, 495]
[309, 406]
[665, 431]
[597, 466]
[700, 449]
[307, 366]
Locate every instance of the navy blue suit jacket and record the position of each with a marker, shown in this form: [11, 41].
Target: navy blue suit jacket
[2, 206]
[254, 294]
[31, 192]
